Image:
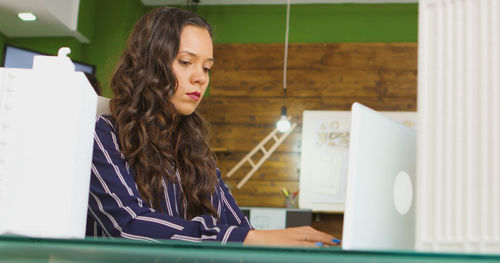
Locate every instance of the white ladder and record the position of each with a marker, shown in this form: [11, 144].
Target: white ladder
[260, 147]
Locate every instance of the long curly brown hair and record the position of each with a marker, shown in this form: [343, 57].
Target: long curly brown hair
[155, 139]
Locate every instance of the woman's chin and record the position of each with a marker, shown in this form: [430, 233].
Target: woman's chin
[185, 112]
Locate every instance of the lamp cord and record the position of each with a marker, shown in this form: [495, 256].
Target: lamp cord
[285, 59]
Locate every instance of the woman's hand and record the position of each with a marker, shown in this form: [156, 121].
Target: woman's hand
[295, 236]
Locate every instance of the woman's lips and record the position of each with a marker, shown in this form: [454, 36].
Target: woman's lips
[194, 95]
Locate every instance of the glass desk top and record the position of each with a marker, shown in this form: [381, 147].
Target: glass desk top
[21, 249]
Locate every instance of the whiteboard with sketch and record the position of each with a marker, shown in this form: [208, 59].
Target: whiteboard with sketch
[324, 157]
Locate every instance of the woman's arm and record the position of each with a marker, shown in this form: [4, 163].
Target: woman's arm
[231, 208]
[297, 236]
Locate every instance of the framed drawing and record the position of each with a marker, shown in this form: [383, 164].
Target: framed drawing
[324, 157]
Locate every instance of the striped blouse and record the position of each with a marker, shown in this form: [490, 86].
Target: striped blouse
[116, 208]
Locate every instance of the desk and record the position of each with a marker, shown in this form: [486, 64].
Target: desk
[16, 249]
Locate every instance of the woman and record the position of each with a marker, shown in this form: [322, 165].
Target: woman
[153, 174]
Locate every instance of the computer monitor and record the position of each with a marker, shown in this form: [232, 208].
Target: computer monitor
[379, 209]
[16, 57]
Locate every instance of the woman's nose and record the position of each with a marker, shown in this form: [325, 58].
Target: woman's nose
[199, 76]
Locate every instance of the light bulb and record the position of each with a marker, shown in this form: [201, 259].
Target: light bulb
[27, 16]
[283, 124]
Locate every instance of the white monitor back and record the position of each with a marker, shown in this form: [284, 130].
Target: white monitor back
[379, 209]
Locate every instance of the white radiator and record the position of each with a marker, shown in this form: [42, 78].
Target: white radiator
[458, 186]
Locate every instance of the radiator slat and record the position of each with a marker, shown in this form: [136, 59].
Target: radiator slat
[495, 114]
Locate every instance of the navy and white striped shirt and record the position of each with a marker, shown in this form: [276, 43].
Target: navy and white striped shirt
[116, 209]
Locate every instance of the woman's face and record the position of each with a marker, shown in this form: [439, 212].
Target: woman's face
[191, 67]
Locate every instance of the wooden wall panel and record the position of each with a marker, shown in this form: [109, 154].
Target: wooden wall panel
[265, 111]
[342, 56]
[315, 82]
[246, 96]
[261, 193]
[281, 166]
[243, 138]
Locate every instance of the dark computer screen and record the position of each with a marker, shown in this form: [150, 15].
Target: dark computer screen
[16, 57]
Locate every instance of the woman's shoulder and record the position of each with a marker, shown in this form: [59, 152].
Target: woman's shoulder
[105, 122]
[219, 176]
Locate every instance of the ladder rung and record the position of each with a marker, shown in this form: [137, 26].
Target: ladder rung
[261, 147]
[263, 150]
[251, 162]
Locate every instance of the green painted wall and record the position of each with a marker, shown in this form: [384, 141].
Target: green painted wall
[113, 24]
[314, 23]
[2, 44]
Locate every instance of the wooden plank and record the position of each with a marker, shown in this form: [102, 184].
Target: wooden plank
[281, 166]
[369, 56]
[244, 137]
[266, 111]
[261, 193]
[307, 83]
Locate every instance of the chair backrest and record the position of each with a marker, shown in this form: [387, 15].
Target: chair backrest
[102, 106]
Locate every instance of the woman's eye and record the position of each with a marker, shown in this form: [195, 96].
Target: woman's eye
[207, 70]
[183, 62]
